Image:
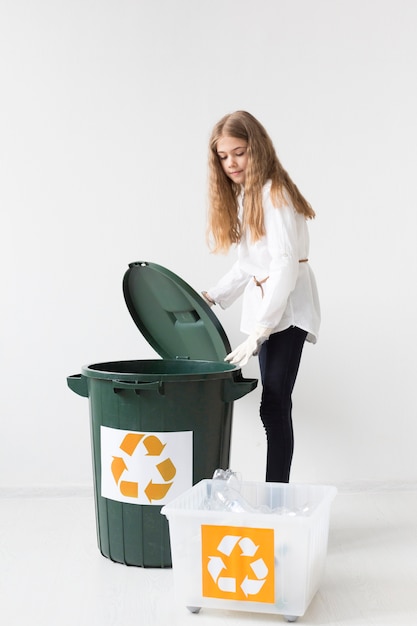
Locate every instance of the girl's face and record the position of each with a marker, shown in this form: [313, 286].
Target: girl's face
[233, 155]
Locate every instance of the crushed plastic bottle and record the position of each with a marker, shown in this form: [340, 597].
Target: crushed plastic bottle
[303, 511]
[225, 493]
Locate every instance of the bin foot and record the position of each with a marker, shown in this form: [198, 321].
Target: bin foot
[194, 609]
[291, 618]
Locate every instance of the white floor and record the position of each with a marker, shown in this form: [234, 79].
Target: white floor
[52, 574]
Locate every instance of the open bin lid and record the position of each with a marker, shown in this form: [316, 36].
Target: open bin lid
[173, 318]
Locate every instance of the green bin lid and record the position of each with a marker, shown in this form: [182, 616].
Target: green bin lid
[173, 318]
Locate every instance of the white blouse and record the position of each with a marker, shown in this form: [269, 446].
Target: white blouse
[287, 294]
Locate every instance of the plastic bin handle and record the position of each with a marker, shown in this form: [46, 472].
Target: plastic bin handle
[234, 389]
[78, 384]
[137, 387]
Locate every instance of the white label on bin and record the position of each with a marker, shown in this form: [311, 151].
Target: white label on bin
[145, 468]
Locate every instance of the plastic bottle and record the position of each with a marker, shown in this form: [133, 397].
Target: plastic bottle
[225, 493]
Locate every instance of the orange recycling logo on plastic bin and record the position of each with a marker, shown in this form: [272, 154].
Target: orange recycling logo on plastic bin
[238, 563]
[144, 468]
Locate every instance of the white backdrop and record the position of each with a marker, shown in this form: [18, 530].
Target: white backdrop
[106, 110]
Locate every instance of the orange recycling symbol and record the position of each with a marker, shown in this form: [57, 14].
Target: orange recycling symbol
[238, 563]
[151, 446]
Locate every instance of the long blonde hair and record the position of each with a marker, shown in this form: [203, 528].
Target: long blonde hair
[224, 227]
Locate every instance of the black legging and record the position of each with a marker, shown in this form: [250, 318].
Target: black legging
[279, 360]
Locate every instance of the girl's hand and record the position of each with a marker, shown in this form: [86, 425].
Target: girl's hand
[207, 299]
[241, 355]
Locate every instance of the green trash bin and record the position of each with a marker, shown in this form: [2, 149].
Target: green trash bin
[158, 426]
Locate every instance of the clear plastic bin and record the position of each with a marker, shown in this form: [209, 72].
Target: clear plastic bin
[257, 561]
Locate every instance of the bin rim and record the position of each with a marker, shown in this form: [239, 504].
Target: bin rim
[173, 508]
[203, 370]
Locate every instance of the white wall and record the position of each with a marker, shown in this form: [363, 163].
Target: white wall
[106, 109]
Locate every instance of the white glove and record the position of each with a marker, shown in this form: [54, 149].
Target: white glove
[207, 299]
[250, 347]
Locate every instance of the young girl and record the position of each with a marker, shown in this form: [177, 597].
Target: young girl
[254, 205]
